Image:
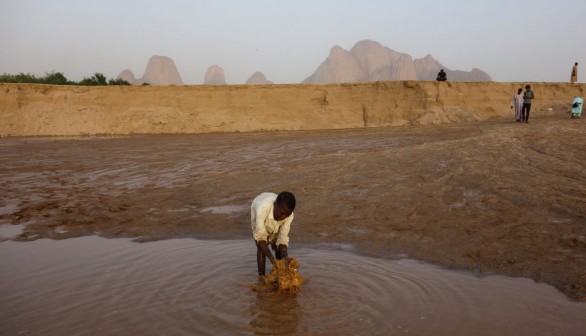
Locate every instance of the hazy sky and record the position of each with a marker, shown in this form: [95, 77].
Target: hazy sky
[513, 41]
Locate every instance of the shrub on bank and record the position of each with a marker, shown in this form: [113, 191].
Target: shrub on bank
[58, 78]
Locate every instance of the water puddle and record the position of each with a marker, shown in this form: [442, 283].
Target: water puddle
[226, 209]
[8, 208]
[97, 286]
[8, 231]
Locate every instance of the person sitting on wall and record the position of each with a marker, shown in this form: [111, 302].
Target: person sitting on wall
[441, 76]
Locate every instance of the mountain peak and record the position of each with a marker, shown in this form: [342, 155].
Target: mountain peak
[161, 70]
[214, 76]
[258, 78]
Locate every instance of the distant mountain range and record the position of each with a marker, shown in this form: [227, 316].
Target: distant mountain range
[367, 61]
[161, 70]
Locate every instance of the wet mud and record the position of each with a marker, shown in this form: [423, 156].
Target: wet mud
[497, 197]
[284, 278]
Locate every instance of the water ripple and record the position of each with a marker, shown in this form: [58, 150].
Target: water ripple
[90, 285]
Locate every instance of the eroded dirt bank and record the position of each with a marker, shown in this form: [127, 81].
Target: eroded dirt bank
[33, 110]
[495, 196]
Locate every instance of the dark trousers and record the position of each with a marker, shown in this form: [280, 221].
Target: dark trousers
[525, 116]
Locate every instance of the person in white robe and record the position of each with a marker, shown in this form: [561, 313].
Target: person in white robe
[517, 104]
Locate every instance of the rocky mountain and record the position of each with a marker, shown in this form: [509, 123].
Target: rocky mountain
[258, 78]
[128, 76]
[339, 67]
[161, 70]
[214, 76]
[427, 69]
[369, 61]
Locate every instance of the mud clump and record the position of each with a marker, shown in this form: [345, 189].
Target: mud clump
[283, 279]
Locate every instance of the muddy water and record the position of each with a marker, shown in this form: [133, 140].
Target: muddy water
[97, 286]
[494, 197]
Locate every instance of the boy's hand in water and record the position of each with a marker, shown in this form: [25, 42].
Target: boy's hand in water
[265, 248]
[286, 262]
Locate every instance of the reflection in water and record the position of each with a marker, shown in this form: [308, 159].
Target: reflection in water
[97, 286]
[273, 314]
[10, 231]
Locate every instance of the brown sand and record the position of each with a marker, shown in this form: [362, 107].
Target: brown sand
[496, 196]
[31, 110]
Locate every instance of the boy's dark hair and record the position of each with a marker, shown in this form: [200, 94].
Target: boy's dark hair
[287, 199]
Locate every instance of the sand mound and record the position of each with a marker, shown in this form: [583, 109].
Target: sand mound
[283, 278]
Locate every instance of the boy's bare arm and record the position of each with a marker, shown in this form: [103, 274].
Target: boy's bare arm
[265, 249]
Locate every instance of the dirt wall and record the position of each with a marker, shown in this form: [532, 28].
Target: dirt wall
[33, 110]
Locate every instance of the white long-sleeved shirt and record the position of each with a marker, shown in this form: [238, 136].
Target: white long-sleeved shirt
[264, 225]
[517, 101]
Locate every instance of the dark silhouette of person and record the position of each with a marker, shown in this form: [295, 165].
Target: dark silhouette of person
[441, 76]
[574, 75]
[528, 96]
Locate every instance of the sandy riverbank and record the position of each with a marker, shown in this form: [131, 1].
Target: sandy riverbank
[38, 110]
[493, 196]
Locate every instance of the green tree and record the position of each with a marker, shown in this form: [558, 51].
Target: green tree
[96, 79]
[100, 78]
[118, 81]
[58, 78]
[55, 78]
[19, 78]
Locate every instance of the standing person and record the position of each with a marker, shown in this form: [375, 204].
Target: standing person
[528, 96]
[271, 216]
[517, 103]
[574, 76]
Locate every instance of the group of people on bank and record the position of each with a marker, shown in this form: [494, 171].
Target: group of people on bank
[522, 100]
[578, 101]
[522, 104]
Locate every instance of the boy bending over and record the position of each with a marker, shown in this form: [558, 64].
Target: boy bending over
[271, 216]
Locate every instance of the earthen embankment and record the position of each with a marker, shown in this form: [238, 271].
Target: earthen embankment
[35, 110]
